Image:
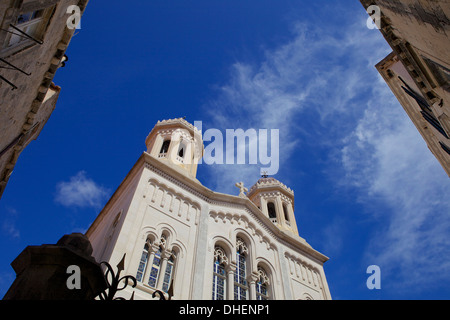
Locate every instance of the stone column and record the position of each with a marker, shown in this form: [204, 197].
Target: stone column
[162, 269]
[200, 261]
[231, 269]
[280, 212]
[263, 204]
[148, 268]
[292, 218]
[285, 279]
[157, 146]
[172, 153]
[253, 278]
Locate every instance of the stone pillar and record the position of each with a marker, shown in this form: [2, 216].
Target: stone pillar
[157, 145]
[280, 212]
[263, 204]
[165, 255]
[200, 255]
[148, 268]
[252, 289]
[42, 271]
[292, 218]
[254, 277]
[230, 282]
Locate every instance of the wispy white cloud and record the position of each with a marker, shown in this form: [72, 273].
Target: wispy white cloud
[81, 191]
[387, 159]
[316, 72]
[376, 153]
[9, 227]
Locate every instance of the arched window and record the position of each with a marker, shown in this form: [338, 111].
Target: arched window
[240, 278]
[219, 275]
[169, 273]
[262, 285]
[154, 265]
[154, 272]
[181, 150]
[271, 211]
[165, 147]
[142, 263]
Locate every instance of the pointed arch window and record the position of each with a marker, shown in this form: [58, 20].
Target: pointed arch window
[181, 152]
[240, 278]
[262, 285]
[219, 274]
[156, 268]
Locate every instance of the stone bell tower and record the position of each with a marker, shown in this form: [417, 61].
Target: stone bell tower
[276, 201]
[178, 144]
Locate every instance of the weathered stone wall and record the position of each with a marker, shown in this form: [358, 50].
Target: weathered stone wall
[418, 32]
[24, 110]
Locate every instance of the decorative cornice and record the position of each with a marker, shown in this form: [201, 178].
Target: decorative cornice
[266, 183]
[236, 202]
[176, 181]
[177, 121]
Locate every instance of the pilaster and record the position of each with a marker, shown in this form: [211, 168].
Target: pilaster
[200, 255]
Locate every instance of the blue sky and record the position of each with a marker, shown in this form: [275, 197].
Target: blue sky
[367, 189]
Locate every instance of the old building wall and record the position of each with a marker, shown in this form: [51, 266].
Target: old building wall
[398, 79]
[27, 93]
[418, 33]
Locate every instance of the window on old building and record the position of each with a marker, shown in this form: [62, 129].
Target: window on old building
[440, 73]
[262, 285]
[445, 147]
[271, 211]
[142, 263]
[28, 25]
[156, 264]
[165, 147]
[181, 152]
[219, 275]
[154, 271]
[240, 277]
[426, 111]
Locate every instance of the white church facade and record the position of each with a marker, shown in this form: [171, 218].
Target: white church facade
[182, 238]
